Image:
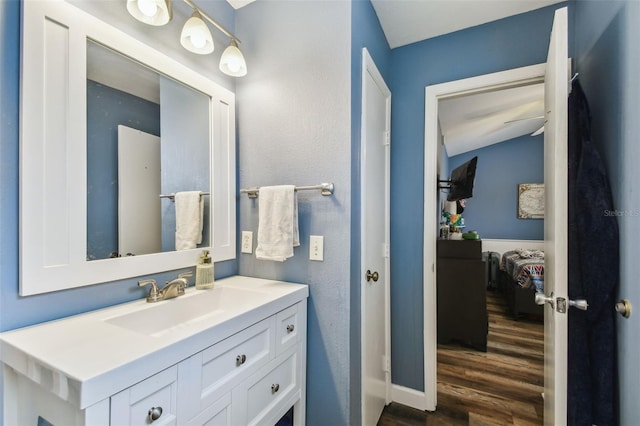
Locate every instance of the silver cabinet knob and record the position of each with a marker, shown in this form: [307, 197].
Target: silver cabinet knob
[241, 359]
[275, 388]
[155, 413]
[290, 328]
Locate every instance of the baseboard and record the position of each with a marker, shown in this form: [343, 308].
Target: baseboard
[409, 397]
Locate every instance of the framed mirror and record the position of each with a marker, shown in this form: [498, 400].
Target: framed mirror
[109, 133]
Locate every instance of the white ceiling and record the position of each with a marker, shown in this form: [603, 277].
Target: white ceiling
[409, 21]
[475, 121]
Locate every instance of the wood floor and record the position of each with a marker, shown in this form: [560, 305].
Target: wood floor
[500, 387]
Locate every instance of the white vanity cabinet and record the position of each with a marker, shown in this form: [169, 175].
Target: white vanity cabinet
[251, 372]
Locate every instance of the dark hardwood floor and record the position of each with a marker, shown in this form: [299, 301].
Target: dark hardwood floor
[500, 387]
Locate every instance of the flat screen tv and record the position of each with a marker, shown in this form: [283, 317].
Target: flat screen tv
[461, 182]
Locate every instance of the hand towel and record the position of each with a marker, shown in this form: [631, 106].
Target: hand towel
[189, 218]
[277, 223]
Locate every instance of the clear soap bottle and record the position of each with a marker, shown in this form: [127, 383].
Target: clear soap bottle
[204, 271]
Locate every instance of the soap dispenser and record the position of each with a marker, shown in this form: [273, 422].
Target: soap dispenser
[204, 271]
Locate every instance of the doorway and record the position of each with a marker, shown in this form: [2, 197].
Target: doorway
[501, 80]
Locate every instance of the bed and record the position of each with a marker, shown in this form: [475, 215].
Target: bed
[521, 276]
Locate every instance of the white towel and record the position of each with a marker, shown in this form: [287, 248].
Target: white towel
[189, 218]
[277, 223]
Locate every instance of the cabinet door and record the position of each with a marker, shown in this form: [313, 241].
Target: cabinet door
[137, 404]
[267, 395]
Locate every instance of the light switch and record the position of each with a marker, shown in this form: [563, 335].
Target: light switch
[316, 247]
[247, 242]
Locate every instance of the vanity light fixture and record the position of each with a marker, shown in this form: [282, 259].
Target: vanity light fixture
[151, 12]
[232, 62]
[195, 35]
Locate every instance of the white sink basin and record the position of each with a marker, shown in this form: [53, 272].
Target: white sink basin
[166, 316]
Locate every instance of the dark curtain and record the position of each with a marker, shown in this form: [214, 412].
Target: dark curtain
[593, 275]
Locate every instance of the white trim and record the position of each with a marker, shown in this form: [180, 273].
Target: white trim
[510, 78]
[502, 246]
[369, 67]
[53, 253]
[409, 397]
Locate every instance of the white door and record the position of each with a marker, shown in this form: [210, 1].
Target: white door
[139, 218]
[555, 223]
[376, 118]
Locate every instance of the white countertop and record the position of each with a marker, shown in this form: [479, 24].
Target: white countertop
[85, 358]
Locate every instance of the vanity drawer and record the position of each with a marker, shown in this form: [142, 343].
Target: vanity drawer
[133, 406]
[271, 391]
[234, 358]
[287, 329]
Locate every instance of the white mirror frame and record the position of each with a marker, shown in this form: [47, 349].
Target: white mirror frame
[53, 164]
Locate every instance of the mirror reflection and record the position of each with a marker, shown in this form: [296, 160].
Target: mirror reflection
[147, 139]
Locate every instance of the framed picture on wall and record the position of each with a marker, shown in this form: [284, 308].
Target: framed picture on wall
[531, 201]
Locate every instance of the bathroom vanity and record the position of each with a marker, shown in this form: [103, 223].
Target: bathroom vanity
[232, 355]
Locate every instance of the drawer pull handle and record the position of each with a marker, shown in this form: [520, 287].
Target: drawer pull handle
[155, 413]
[290, 328]
[275, 388]
[241, 359]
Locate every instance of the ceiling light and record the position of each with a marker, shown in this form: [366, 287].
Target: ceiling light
[151, 12]
[195, 36]
[232, 62]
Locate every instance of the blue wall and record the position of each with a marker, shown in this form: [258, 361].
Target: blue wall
[106, 109]
[606, 35]
[492, 211]
[365, 32]
[509, 43]
[294, 127]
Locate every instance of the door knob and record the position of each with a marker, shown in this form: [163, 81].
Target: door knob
[371, 276]
[541, 299]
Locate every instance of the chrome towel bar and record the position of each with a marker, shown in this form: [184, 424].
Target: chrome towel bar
[325, 189]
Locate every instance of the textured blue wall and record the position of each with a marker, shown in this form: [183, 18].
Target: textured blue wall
[365, 32]
[492, 211]
[106, 109]
[509, 43]
[295, 128]
[606, 35]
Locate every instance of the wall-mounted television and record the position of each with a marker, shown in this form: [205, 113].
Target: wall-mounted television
[460, 185]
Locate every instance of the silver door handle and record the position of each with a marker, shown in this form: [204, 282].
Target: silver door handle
[371, 276]
[560, 302]
[541, 299]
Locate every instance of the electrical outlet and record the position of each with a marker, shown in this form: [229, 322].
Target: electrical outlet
[316, 247]
[247, 242]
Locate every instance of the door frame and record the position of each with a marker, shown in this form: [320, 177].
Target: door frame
[369, 67]
[433, 94]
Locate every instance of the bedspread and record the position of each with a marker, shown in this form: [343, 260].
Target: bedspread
[526, 267]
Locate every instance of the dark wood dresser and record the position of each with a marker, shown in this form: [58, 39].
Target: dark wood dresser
[461, 289]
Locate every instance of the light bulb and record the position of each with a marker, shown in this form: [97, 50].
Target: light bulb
[148, 7]
[234, 64]
[198, 40]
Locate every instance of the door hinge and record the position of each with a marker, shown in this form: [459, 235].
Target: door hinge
[387, 138]
[386, 251]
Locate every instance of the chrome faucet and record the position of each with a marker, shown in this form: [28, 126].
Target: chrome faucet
[173, 288]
